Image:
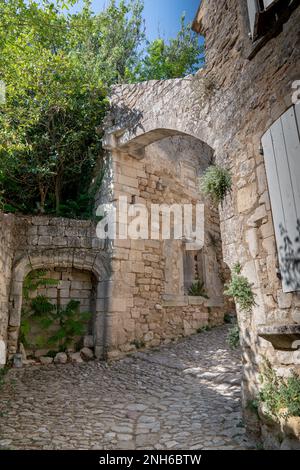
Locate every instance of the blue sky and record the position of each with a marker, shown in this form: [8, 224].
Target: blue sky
[161, 16]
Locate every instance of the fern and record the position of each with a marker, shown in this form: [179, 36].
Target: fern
[34, 280]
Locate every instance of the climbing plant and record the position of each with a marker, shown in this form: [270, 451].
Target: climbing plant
[216, 183]
[241, 290]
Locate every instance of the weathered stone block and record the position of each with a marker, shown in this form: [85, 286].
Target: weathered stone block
[247, 197]
[284, 300]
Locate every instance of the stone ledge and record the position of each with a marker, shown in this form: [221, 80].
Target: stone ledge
[193, 300]
[175, 301]
[281, 337]
[184, 301]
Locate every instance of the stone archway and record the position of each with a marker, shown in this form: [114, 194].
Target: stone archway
[156, 156]
[82, 261]
[146, 112]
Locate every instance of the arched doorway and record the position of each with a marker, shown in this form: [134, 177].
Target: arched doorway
[80, 275]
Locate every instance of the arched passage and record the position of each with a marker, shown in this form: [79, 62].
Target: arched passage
[175, 285]
[80, 261]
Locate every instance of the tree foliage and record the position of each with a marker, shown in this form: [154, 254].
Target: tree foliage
[58, 67]
[175, 58]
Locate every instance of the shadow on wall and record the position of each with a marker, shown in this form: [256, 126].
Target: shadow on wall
[122, 117]
[290, 257]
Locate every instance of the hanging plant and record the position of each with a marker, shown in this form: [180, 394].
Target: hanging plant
[241, 290]
[216, 183]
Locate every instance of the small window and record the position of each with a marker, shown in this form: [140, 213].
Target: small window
[281, 145]
[193, 263]
[265, 14]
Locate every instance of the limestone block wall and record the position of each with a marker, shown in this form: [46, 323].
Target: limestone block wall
[6, 259]
[254, 88]
[72, 284]
[67, 248]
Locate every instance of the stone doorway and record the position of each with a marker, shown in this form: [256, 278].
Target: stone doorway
[79, 276]
[61, 300]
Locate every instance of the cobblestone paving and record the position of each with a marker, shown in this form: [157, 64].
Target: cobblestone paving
[183, 396]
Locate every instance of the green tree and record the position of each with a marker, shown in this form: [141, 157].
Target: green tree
[176, 58]
[58, 67]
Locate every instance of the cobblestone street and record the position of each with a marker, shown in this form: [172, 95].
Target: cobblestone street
[183, 396]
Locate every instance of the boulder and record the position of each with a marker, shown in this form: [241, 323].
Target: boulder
[22, 351]
[18, 361]
[87, 354]
[45, 360]
[61, 358]
[75, 358]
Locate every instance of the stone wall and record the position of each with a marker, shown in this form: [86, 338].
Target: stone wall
[6, 259]
[48, 243]
[228, 105]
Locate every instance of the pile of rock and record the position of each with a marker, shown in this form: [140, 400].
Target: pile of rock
[84, 355]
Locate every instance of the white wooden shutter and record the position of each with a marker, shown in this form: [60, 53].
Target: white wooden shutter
[253, 10]
[281, 144]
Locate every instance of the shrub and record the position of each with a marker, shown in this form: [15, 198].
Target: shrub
[233, 337]
[281, 396]
[240, 289]
[216, 183]
[197, 289]
[36, 279]
[204, 329]
[138, 344]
